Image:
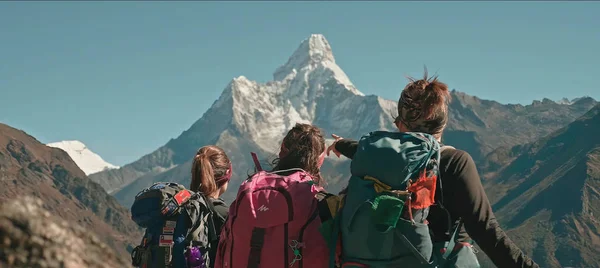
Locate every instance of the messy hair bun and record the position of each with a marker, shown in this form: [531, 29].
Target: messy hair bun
[302, 147]
[423, 105]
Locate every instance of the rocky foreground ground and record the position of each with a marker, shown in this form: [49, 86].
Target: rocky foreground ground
[31, 237]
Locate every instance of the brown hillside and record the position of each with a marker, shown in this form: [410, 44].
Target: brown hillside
[549, 195]
[29, 168]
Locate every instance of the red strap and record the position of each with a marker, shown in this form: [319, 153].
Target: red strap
[256, 163]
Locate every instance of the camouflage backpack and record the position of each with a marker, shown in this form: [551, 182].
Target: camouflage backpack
[178, 224]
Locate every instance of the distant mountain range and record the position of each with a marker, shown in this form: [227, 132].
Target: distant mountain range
[549, 194]
[85, 159]
[29, 168]
[539, 162]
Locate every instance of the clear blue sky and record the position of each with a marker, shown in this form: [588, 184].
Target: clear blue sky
[125, 77]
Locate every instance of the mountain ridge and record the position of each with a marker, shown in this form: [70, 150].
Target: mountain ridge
[30, 168]
[557, 232]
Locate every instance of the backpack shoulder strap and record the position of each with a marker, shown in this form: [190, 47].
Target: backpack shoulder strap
[439, 197]
[256, 163]
[439, 190]
[457, 224]
[195, 229]
[214, 210]
[212, 230]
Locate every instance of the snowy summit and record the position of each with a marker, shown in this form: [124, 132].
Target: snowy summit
[309, 87]
[87, 160]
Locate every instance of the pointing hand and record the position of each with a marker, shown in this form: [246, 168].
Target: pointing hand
[332, 146]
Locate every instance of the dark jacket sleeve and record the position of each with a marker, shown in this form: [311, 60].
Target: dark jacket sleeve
[472, 205]
[347, 147]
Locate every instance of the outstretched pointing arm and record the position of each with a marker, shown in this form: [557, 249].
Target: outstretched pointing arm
[345, 147]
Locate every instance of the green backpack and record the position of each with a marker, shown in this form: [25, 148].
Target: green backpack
[381, 219]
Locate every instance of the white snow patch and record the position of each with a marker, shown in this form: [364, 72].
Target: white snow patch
[85, 159]
[565, 101]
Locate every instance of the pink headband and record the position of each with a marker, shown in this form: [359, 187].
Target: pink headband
[225, 178]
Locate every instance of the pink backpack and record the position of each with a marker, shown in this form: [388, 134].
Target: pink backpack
[274, 222]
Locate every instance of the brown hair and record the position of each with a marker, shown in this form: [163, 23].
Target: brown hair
[301, 148]
[209, 163]
[423, 105]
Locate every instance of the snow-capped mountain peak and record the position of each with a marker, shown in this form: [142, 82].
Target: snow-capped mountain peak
[85, 159]
[312, 50]
[310, 81]
[253, 116]
[314, 57]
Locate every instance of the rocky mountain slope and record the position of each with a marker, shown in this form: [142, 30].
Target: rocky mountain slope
[311, 87]
[29, 168]
[85, 159]
[33, 237]
[548, 195]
